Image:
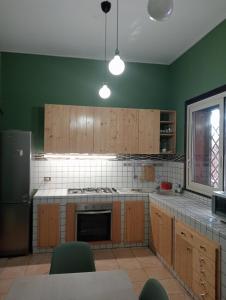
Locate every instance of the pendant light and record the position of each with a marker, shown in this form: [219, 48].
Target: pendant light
[116, 65]
[104, 91]
[160, 10]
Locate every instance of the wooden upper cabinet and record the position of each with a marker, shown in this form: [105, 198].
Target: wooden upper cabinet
[84, 129]
[56, 133]
[149, 131]
[130, 131]
[115, 130]
[107, 131]
[81, 129]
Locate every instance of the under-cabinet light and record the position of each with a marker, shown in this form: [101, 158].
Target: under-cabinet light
[78, 156]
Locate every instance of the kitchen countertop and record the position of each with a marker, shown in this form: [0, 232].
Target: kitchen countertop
[194, 212]
[63, 193]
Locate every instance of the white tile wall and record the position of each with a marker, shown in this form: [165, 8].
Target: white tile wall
[93, 173]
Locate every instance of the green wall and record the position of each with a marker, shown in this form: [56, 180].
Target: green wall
[30, 81]
[27, 82]
[199, 70]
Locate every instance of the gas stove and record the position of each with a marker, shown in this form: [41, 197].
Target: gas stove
[90, 190]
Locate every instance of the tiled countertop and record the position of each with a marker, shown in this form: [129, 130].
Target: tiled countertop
[194, 212]
[63, 193]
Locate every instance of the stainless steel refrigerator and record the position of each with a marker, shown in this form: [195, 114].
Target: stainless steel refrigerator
[15, 201]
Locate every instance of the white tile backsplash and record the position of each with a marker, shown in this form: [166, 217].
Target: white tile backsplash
[93, 173]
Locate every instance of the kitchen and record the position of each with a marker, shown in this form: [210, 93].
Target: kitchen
[135, 140]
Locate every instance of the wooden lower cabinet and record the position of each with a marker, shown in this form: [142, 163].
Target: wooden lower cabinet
[116, 222]
[48, 225]
[162, 233]
[134, 222]
[70, 222]
[196, 262]
[184, 260]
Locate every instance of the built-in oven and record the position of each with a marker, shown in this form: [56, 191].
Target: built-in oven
[219, 203]
[93, 222]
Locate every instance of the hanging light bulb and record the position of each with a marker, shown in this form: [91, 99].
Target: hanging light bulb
[104, 92]
[116, 66]
[160, 10]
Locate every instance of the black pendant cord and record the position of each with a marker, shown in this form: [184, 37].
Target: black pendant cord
[105, 46]
[117, 51]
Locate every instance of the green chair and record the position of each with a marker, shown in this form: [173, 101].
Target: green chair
[153, 290]
[72, 257]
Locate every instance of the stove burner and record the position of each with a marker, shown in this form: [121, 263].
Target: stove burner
[98, 190]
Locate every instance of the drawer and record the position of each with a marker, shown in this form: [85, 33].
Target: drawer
[205, 247]
[203, 289]
[184, 232]
[205, 267]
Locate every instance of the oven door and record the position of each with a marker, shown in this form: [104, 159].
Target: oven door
[93, 225]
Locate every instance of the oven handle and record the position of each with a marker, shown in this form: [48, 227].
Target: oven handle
[97, 212]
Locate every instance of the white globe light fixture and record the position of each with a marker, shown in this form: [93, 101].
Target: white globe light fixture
[116, 66]
[160, 10]
[104, 92]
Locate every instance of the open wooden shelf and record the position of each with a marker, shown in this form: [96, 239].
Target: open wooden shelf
[167, 139]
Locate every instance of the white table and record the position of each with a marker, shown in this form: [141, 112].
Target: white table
[106, 285]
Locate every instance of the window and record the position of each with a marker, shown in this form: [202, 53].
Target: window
[204, 145]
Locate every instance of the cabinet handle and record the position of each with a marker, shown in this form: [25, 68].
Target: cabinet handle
[182, 233]
[189, 249]
[201, 259]
[202, 248]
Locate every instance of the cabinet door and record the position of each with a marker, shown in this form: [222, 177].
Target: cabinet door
[130, 125]
[134, 221]
[48, 225]
[149, 131]
[155, 228]
[116, 222]
[166, 237]
[107, 130]
[184, 260]
[81, 129]
[70, 222]
[56, 132]
[162, 233]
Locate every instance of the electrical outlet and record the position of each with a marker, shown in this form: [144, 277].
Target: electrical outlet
[47, 179]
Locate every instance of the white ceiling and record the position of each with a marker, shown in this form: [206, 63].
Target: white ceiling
[76, 28]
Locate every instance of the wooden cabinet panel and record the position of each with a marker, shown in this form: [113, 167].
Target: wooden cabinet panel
[162, 233]
[116, 222]
[81, 129]
[48, 225]
[130, 123]
[107, 130]
[184, 260]
[70, 222]
[166, 240]
[43, 225]
[56, 133]
[134, 221]
[149, 131]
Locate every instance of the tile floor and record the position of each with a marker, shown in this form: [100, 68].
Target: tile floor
[139, 263]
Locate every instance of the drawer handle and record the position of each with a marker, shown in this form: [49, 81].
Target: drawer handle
[203, 294]
[202, 248]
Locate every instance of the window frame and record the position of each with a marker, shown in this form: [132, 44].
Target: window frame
[212, 98]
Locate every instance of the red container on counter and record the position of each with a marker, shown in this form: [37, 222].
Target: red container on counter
[165, 185]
